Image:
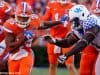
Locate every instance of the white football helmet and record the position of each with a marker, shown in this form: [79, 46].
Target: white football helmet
[63, 1]
[23, 14]
[78, 11]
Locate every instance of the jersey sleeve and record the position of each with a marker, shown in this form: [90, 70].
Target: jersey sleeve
[8, 26]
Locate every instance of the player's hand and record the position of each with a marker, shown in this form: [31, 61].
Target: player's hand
[64, 18]
[62, 59]
[28, 34]
[49, 39]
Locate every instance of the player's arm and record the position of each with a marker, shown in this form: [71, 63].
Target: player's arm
[66, 42]
[86, 40]
[81, 44]
[14, 43]
[49, 24]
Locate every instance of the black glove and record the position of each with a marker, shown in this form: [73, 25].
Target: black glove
[49, 39]
[62, 59]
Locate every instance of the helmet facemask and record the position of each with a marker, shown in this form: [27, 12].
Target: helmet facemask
[23, 15]
[22, 21]
[77, 25]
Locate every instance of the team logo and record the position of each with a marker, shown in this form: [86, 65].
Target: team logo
[78, 10]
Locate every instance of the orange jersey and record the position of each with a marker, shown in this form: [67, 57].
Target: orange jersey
[4, 8]
[55, 13]
[90, 49]
[51, 5]
[10, 26]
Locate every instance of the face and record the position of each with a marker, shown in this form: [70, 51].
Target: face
[22, 19]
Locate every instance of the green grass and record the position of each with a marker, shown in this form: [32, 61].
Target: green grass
[44, 71]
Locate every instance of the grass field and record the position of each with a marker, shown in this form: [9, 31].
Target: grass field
[44, 71]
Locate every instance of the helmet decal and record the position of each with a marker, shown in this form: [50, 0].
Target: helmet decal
[78, 10]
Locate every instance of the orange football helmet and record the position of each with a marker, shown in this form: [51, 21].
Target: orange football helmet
[23, 14]
[63, 1]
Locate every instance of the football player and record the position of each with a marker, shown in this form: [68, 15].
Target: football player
[19, 32]
[18, 40]
[54, 13]
[85, 28]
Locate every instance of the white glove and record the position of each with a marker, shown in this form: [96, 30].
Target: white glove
[62, 59]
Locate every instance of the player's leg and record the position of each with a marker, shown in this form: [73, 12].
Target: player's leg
[69, 63]
[87, 64]
[88, 61]
[53, 64]
[13, 66]
[52, 59]
[85, 61]
[26, 65]
[70, 66]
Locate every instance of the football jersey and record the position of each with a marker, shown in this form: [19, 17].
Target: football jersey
[55, 13]
[10, 26]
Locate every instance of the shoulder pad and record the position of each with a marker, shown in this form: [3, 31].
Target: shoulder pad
[90, 22]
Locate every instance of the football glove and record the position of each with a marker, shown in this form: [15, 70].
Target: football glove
[62, 59]
[64, 18]
[28, 34]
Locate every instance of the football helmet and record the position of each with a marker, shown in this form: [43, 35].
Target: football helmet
[63, 1]
[78, 11]
[23, 14]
